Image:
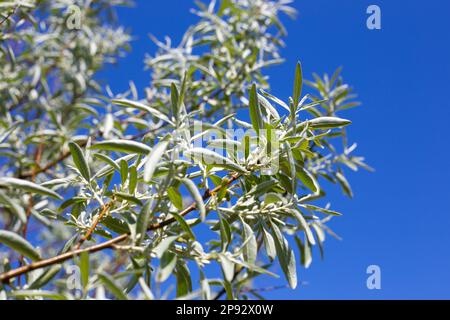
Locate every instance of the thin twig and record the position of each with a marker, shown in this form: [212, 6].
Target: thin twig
[104, 211]
[4, 277]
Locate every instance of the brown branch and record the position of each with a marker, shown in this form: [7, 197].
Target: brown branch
[9, 15]
[5, 277]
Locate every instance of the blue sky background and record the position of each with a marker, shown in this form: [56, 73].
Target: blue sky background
[400, 216]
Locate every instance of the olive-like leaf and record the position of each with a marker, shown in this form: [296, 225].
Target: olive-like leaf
[127, 146]
[153, 159]
[112, 286]
[328, 122]
[251, 246]
[142, 107]
[286, 257]
[214, 159]
[19, 244]
[255, 114]
[142, 222]
[13, 206]
[298, 83]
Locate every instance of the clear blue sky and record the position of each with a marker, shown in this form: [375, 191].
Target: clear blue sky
[400, 216]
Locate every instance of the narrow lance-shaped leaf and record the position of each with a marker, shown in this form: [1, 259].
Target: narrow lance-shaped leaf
[128, 197]
[304, 225]
[214, 159]
[123, 171]
[13, 206]
[127, 146]
[166, 267]
[253, 105]
[184, 225]
[269, 244]
[28, 186]
[164, 245]
[328, 122]
[195, 193]
[112, 286]
[84, 268]
[344, 184]
[19, 244]
[225, 233]
[174, 101]
[305, 252]
[153, 159]
[227, 267]
[142, 222]
[298, 83]
[307, 179]
[251, 246]
[184, 282]
[80, 160]
[133, 179]
[45, 277]
[107, 160]
[286, 257]
[142, 107]
[175, 198]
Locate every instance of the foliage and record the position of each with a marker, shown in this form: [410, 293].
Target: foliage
[174, 183]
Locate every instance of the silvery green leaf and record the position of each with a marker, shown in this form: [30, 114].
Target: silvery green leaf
[183, 224]
[212, 158]
[37, 294]
[251, 246]
[109, 169]
[319, 209]
[269, 244]
[153, 159]
[298, 83]
[344, 184]
[303, 224]
[107, 160]
[80, 160]
[112, 286]
[142, 222]
[164, 245]
[307, 179]
[328, 122]
[45, 277]
[128, 197]
[305, 252]
[227, 267]
[166, 267]
[276, 100]
[195, 193]
[28, 186]
[143, 107]
[84, 268]
[126, 146]
[13, 206]
[285, 256]
[255, 113]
